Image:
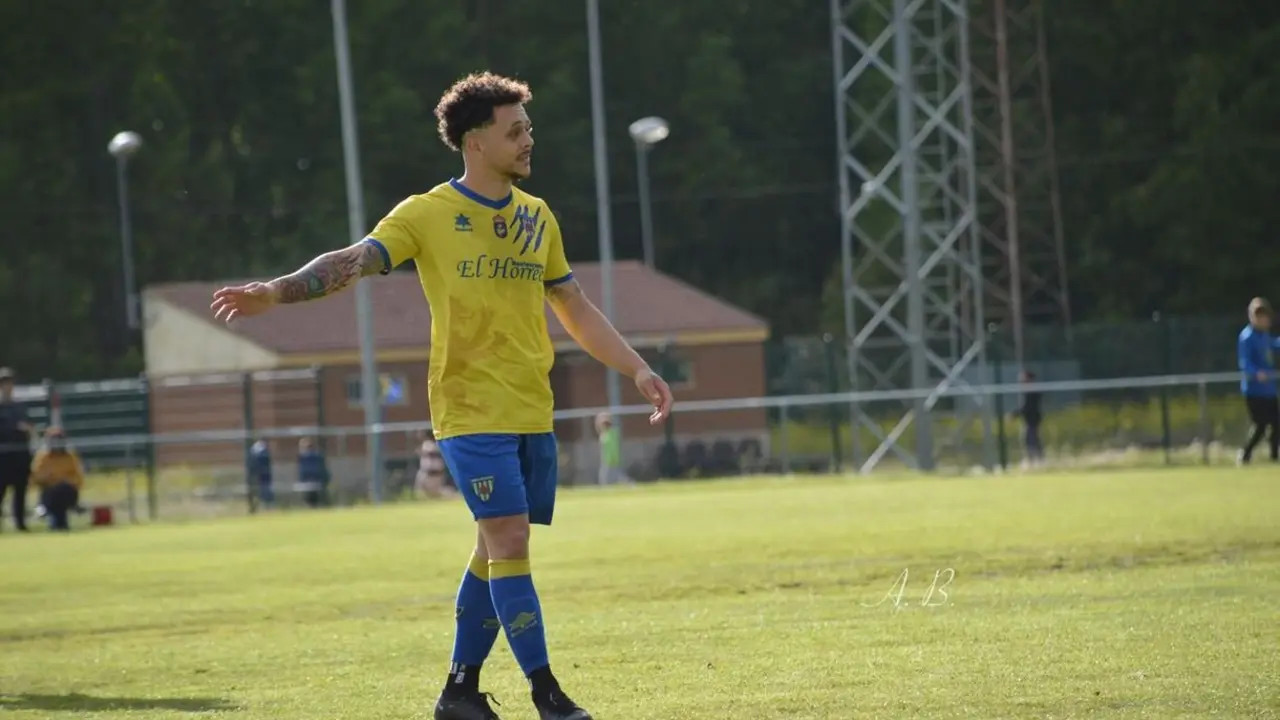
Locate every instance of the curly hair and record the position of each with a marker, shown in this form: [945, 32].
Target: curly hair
[469, 104]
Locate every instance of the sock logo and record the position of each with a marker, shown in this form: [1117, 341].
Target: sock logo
[492, 624]
[483, 487]
[522, 622]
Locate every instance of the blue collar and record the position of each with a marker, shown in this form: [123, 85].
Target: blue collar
[474, 196]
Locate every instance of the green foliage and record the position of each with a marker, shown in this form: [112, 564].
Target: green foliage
[1165, 118]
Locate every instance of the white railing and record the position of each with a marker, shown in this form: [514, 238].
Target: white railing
[1200, 382]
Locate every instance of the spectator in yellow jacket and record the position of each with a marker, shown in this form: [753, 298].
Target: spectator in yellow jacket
[59, 476]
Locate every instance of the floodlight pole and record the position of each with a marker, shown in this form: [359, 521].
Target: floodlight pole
[131, 313]
[122, 147]
[604, 219]
[369, 391]
[646, 210]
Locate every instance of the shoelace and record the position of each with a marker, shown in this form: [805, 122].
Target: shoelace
[557, 700]
[485, 699]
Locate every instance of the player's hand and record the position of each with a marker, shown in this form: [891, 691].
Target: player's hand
[231, 303]
[1263, 376]
[655, 390]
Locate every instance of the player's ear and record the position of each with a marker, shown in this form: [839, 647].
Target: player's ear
[471, 141]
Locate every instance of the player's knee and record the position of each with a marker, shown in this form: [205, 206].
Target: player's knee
[482, 550]
[505, 538]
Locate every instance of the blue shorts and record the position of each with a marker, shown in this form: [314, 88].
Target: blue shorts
[503, 475]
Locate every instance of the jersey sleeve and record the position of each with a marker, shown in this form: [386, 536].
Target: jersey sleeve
[1244, 353]
[557, 270]
[400, 236]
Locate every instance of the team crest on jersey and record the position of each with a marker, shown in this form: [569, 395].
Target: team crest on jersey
[499, 226]
[528, 228]
[527, 222]
[483, 488]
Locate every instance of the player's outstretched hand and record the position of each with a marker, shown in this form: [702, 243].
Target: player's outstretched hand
[656, 391]
[231, 303]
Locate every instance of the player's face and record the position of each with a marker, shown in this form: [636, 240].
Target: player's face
[1263, 322]
[508, 143]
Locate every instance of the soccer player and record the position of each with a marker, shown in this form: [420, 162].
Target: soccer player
[487, 254]
[1255, 350]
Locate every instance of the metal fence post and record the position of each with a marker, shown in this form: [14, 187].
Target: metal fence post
[1206, 429]
[1002, 444]
[149, 450]
[247, 395]
[128, 483]
[322, 439]
[784, 441]
[51, 402]
[833, 415]
[669, 426]
[1166, 433]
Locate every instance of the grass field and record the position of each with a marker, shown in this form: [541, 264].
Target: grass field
[1152, 594]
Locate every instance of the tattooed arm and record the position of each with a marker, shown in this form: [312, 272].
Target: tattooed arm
[329, 273]
[326, 275]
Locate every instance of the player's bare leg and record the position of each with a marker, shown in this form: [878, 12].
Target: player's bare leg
[477, 629]
[514, 597]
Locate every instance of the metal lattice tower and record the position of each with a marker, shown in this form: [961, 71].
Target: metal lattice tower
[913, 288]
[1018, 201]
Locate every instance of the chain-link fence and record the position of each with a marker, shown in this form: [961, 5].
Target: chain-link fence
[206, 444]
[1141, 421]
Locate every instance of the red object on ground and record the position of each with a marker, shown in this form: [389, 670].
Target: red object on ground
[102, 515]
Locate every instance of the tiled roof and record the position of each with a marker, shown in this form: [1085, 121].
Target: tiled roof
[646, 303]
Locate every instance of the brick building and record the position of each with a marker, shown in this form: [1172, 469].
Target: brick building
[300, 366]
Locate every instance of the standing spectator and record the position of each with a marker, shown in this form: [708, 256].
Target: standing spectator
[1255, 350]
[1032, 414]
[313, 473]
[610, 450]
[260, 473]
[59, 475]
[15, 450]
[431, 480]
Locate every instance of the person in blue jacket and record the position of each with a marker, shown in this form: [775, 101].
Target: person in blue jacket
[313, 473]
[1255, 350]
[260, 473]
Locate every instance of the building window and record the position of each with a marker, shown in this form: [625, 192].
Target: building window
[393, 387]
[675, 368]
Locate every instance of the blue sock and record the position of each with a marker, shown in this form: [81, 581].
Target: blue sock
[476, 628]
[516, 601]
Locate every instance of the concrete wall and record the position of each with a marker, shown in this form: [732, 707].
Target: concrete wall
[178, 342]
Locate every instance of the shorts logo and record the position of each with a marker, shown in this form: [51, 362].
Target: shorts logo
[499, 226]
[483, 488]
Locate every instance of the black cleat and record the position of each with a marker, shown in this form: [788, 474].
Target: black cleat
[555, 705]
[466, 707]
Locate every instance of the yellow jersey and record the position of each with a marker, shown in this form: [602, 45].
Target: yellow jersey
[49, 468]
[484, 265]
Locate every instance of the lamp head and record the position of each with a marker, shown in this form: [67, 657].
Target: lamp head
[125, 144]
[649, 130]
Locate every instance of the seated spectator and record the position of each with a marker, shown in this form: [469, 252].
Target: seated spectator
[313, 473]
[432, 480]
[260, 473]
[58, 475]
